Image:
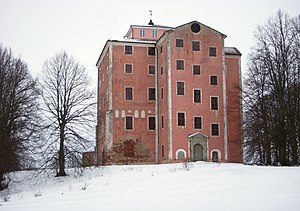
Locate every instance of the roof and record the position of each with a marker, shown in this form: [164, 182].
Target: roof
[146, 26]
[232, 51]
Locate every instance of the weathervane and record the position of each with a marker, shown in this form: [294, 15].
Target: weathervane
[150, 23]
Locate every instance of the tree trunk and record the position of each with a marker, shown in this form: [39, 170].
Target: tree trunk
[61, 155]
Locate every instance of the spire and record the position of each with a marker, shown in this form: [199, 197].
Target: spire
[150, 22]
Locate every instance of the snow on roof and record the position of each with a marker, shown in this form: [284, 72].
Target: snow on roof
[232, 51]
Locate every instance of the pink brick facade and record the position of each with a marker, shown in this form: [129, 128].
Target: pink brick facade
[168, 94]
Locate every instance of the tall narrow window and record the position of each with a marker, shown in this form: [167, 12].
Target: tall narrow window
[128, 93]
[162, 151]
[162, 121]
[179, 64]
[181, 119]
[214, 103]
[196, 46]
[179, 43]
[151, 94]
[215, 130]
[162, 70]
[151, 51]
[151, 123]
[180, 88]
[212, 51]
[151, 69]
[129, 123]
[128, 68]
[198, 122]
[128, 49]
[213, 80]
[197, 96]
[162, 93]
[196, 69]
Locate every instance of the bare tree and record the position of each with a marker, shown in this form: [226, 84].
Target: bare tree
[69, 110]
[18, 113]
[272, 93]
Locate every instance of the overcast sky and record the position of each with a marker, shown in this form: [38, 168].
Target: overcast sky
[37, 29]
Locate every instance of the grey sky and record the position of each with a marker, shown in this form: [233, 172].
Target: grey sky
[37, 29]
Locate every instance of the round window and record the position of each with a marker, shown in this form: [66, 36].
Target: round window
[195, 27]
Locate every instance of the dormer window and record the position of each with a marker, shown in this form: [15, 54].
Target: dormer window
[154, 33]
[142, 33]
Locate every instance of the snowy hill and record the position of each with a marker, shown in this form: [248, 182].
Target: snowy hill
[206, 186]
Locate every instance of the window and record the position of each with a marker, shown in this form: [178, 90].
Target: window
[128, 93]
[162, 70]
[215, 130]
[179, 42]
[151, 123]
[215, 156]
[151, 70]
[214, 104]
[197, 96]
[129, 123]
[180, 64]
[161, 49]
[198, 122]
[151, 51]
[154, 33]
[196, 46]
[151, 94]
[162, 93]
[128, 49]
[180, 88]
[196, 70]
[162, 121]
[180, 154]
[181, 119]
[142, 33]
[162, 151]
[213, 51]
[213, 80]
[128, 68]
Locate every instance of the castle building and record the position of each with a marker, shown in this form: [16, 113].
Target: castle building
[168, 94]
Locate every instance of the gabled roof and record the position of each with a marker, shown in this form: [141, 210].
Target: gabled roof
[195, 135]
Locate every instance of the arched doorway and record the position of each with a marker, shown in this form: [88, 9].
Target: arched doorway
[198, 147]
[215, 156]
[198, 152]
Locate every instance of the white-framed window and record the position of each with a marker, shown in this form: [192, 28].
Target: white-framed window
[151, 69]
[198, 122]
[215, 129]
[197, 95]
[128, 49]
[180, 87]
[129, 122]
[151, 94]
[179, 43]
[212, 51]
[214, 103]
[196, 69]
[154, 33]
[142, 33]
[128, 68]
[181, 119]
[195, 45]
[151, 122]
[213, 80]
[179, 64]
[128, 93]
[151, 51]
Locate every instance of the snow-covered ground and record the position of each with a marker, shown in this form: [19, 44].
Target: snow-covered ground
[207, 186]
